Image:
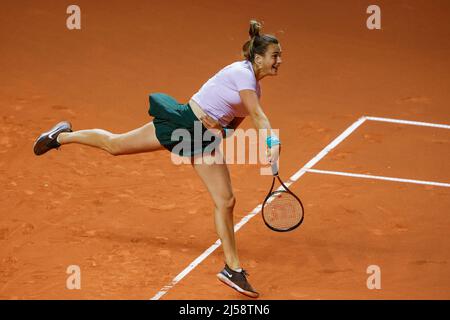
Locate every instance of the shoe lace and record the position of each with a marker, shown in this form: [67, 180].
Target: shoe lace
[243, 272]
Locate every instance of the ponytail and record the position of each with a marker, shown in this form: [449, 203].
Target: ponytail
[258, 43]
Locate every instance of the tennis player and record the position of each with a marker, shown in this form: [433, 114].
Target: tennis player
[222, 102]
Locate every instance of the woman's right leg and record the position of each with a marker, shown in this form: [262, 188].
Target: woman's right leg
[142, 139]
[216, 178]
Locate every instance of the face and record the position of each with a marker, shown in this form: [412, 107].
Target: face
[269, 63]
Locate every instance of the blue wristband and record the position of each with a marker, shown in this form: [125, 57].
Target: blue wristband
[272, 141]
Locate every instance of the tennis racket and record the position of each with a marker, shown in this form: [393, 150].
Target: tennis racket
[282, 210]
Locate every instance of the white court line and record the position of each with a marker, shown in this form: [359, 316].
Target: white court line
[367, 176]
[414, 123]
[255, 211]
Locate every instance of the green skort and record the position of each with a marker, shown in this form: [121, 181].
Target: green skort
[178, 129]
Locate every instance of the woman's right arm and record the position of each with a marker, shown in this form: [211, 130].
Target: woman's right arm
[260, 120]
[251, 103]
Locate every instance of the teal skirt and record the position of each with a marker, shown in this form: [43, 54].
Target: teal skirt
[178, 129]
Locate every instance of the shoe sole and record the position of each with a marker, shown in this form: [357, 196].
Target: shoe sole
[231, 284]
[44, 138]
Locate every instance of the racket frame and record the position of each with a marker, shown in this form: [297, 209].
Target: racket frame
[270, 194]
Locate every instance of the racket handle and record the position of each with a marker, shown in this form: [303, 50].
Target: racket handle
[275, 169]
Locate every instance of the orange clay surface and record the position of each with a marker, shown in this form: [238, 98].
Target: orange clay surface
[132, 223]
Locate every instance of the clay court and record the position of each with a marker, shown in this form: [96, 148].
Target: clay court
[134, 223]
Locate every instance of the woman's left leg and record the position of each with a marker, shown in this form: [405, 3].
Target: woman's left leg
[139, 140]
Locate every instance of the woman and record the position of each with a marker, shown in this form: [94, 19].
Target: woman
[223, 101]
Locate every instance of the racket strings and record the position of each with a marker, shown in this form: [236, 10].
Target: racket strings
[283, 211]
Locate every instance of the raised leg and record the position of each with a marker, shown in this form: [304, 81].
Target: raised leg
[139, 140]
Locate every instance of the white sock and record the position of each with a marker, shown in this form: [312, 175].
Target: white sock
[238, 270]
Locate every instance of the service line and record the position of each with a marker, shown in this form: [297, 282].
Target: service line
[368, 176]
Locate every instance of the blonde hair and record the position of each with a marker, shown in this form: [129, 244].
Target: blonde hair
[258, 43]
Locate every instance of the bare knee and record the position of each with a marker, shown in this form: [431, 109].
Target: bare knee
[113, 145]
[226, 203]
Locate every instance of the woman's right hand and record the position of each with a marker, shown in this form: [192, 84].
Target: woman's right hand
[273, 153]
